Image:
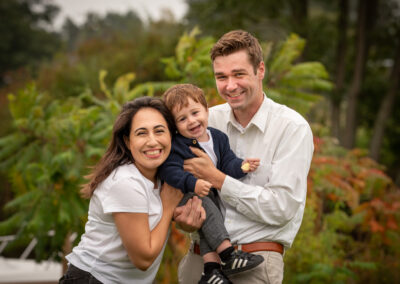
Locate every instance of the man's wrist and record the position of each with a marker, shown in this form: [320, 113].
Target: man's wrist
[217, 180]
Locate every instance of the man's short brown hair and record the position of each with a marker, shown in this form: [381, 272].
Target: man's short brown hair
[237, 40]
[178, 96]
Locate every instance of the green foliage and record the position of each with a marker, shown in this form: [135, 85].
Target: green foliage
[47, 156]
[191, 62]
[350, 231]
[297, 85]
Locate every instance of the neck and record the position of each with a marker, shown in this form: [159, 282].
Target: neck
[244, 115]
[204, 137]
[151, 175]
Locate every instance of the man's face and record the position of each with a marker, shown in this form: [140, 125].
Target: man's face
[236, 81]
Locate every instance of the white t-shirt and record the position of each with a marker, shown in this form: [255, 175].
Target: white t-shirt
[208, 146]
[100, 250]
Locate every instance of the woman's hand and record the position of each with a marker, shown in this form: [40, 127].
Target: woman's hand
[191, 216]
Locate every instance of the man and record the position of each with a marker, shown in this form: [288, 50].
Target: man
[264, 210]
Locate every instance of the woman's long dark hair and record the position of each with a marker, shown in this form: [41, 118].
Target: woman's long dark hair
[118, 153]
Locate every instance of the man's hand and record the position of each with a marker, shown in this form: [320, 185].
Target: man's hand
[203, 168]
[191, 216]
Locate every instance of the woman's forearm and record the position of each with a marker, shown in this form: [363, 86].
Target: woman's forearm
[142, 245]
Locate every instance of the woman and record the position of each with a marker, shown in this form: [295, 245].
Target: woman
[129, 212]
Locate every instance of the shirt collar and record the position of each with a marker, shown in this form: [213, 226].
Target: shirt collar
[259, 119]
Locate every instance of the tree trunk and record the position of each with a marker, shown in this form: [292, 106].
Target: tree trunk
[366, 17]
[299, 10]
[341, 51]
[385, 109]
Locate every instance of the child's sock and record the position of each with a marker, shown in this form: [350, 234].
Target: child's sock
[226, 253]
[210, 266]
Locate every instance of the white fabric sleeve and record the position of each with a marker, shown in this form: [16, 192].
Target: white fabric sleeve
[126, 195]
[278, 201]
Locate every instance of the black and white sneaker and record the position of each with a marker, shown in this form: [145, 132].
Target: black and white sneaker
[216, 277]
[241, 261]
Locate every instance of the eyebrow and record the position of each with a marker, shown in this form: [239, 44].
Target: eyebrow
[155, 127]
[233, 71]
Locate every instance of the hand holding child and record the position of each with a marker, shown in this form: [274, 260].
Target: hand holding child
[202, 187]
[250, 165]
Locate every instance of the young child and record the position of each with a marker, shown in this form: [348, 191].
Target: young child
[189, 108]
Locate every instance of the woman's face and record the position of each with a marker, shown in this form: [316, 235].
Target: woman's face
[149, 141]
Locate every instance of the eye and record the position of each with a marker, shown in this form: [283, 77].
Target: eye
[160, 131]
[181, 119]
[239, 75]
[140, 133]
[195, 112]
[220, 77]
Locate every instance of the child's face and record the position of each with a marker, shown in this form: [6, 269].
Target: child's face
[192, 120]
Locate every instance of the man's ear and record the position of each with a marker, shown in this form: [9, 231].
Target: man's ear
[261, 70]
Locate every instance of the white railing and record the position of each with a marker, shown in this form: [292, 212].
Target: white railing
[24, 270]
[4, 240]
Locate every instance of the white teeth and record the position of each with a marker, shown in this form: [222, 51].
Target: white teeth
[155, 152]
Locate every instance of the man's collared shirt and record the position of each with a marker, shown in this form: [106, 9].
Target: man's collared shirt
[268, 204]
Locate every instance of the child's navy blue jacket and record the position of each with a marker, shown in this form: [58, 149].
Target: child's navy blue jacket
[172, 171]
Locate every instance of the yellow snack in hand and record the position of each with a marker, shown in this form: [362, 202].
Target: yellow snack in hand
[246, 167]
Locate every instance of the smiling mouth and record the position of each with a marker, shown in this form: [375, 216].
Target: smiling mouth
[236, 95]
[153, 153]
[194, 129]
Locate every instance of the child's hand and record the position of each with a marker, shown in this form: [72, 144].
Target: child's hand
[202, 187]
[250, 165]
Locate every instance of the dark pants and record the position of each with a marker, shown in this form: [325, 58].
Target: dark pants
[74, 275]
[212, 232]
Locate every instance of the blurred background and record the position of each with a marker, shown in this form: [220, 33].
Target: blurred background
[66, 67]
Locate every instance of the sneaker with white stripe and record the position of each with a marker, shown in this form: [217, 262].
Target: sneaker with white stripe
[216, 277]
[241, 261]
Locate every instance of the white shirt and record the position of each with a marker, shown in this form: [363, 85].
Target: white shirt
[268, 204]
[100, 250]
[208, 146]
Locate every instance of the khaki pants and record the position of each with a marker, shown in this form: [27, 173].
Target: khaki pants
[268, 272]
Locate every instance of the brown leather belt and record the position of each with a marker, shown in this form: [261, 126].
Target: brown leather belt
[251, 247]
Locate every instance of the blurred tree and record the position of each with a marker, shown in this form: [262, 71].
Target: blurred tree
[340, 70]
[215, 17]
[25, 35]
[104, 27]
[366, 17]
[386, 108]
[117, 43]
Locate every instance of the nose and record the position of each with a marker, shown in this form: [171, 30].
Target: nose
[231, 86]
[190, 119]
[152, 140]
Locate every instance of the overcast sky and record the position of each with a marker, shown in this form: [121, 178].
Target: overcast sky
[77, 9]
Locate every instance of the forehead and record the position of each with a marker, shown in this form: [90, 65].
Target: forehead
[189, 104]
[147, 118]
[238, 60]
